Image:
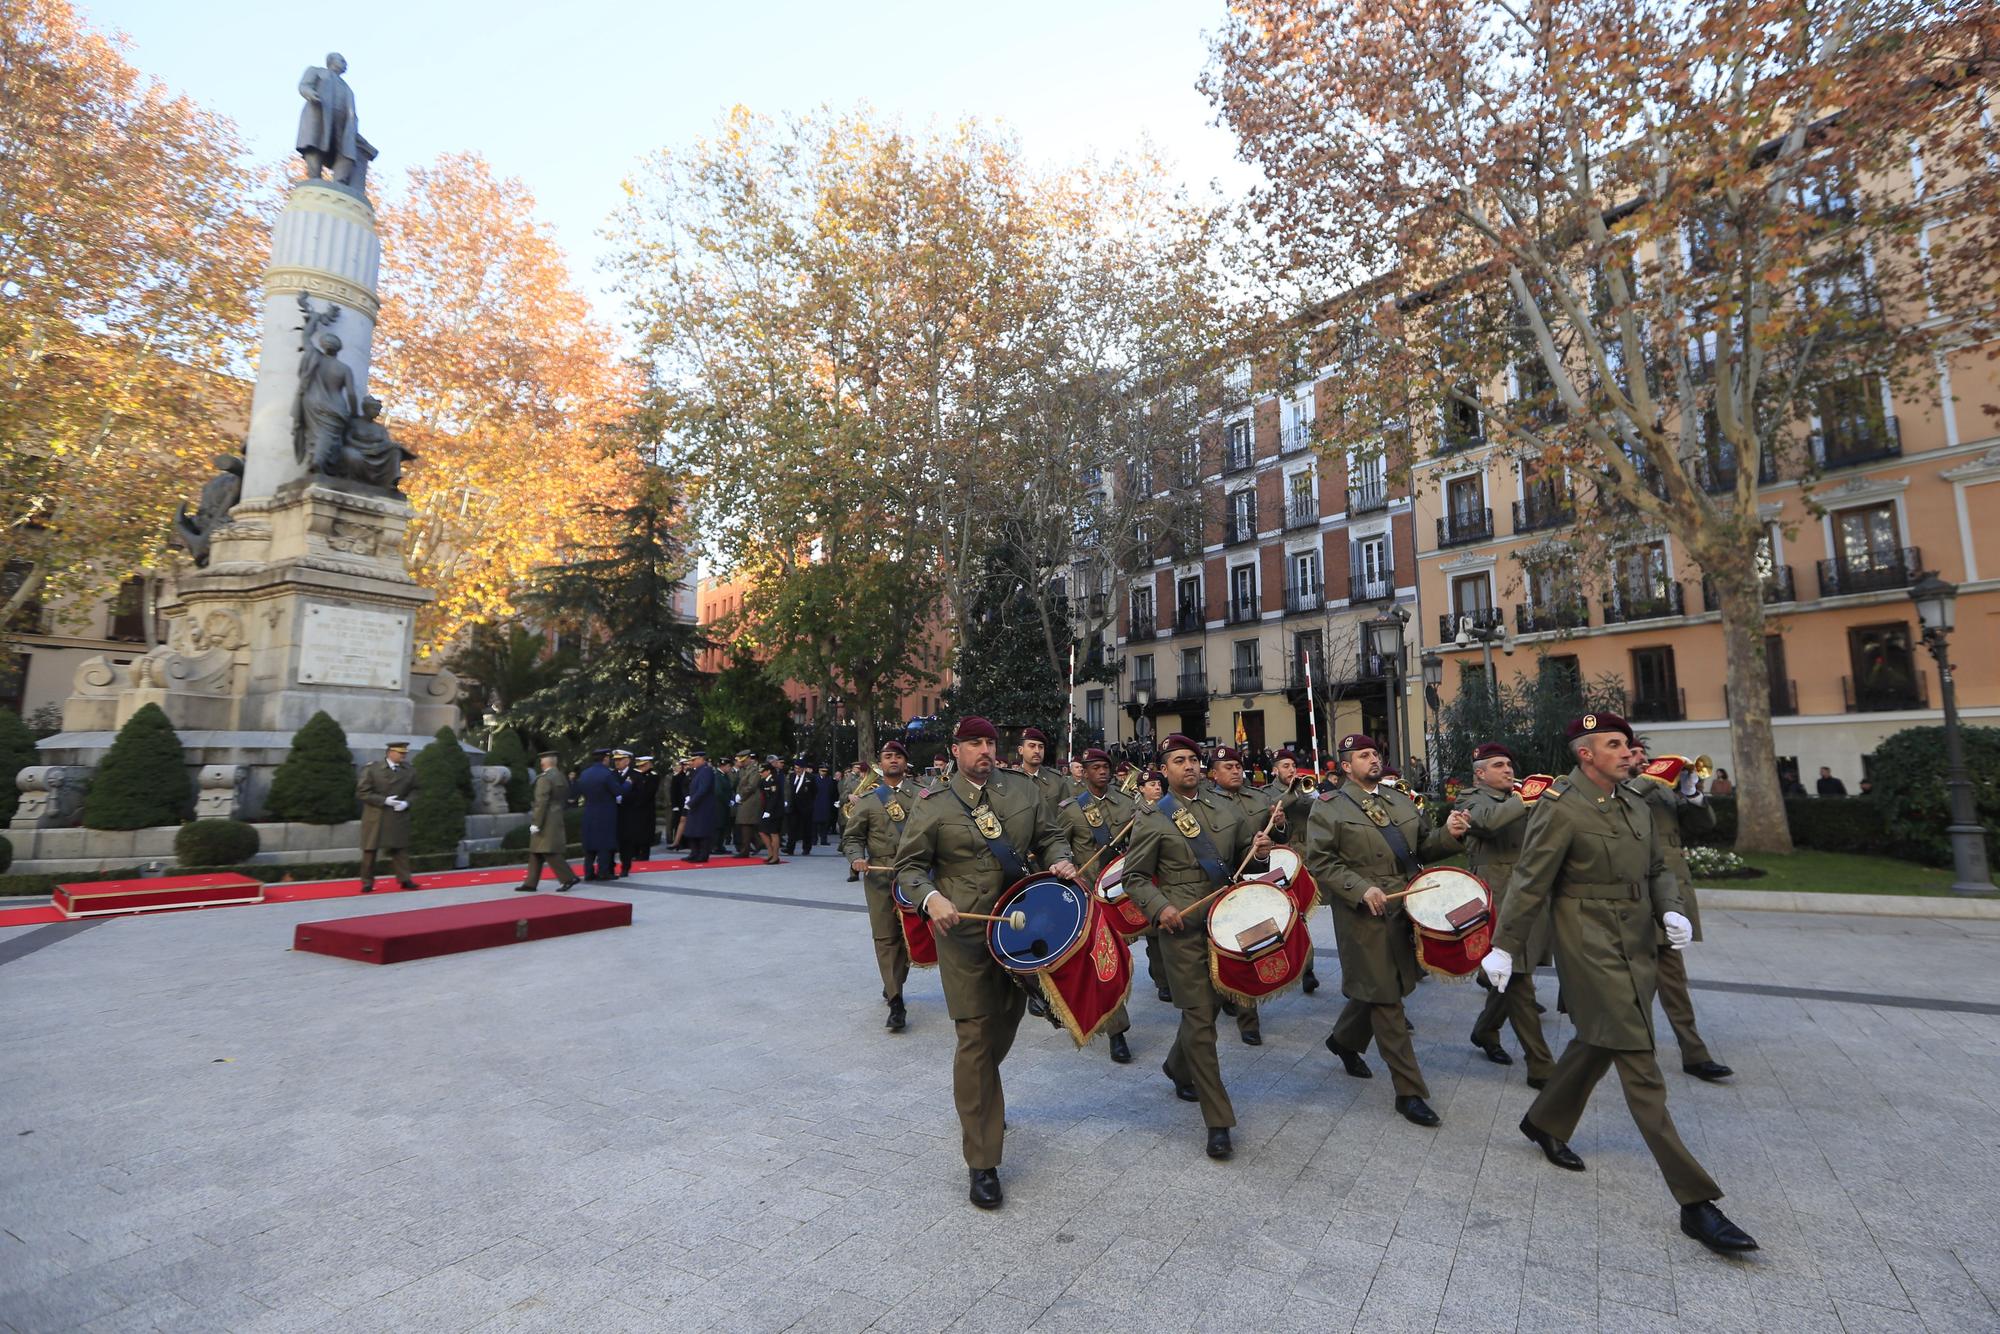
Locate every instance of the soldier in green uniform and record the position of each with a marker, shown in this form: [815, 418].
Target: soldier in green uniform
[967, 842]
[1680, 812]
[1493, 842]
[1296, 800]
[872, 834]
[1226, 787]
[548, 834]
[748, 808]
[1054, 784]
[384, 789]
[842, 809]
[1093, 820]
[1183, 849]
[1365, 835]
[1593, 861]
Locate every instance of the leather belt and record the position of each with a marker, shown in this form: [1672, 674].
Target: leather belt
[1627, 890]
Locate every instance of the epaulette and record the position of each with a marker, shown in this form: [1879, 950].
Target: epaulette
[1555, 789]
[932, 793]
[1066, 801]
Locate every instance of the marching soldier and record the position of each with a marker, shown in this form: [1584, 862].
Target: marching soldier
[967, 842]
[1225, 786]
[1680, 810]
[1593, 861]
[1296, 802]
[1362, 836]
[1499, 821]
[873, 832]
[1092, 821]
[1053, 784]
[385, 788]
[548, 834]
[1183, 850]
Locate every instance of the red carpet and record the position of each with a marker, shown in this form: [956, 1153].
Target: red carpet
[425, 933]
[308, 891]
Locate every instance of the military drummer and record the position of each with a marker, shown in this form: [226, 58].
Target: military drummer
[873, 832]
[1593, 860]
[966, 843]
[1499, 823]
[1093, 821]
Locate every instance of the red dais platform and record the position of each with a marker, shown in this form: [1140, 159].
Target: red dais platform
[101, 898]
[397, 937]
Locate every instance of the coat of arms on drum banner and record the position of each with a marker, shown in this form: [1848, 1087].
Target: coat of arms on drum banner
[1185, 822]
[1093, 817]
[1104, 952]
[987, 822]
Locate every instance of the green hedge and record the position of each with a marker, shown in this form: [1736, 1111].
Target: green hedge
[1824, 824]
[6, 852]
[1909, 774]
[142, 781]
[40, 885]
[443, 797]
[215, 842]
[17, 752]
[315, 784]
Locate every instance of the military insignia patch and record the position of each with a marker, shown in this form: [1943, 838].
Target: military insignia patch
[1093, 817]
[896, 812]
[987, 822]
[1185, 822]
[1589, 721]
[1377, 812]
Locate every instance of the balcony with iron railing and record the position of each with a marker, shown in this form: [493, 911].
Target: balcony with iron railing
[1622, 606]
[1885, 691]
[1142, 625]
[1149, 684]
[1367, 495]
[1303, 669]
[1778, 587]
[1366, 586]
[1540, 508]
[1844, 444]
[1669, 707]
[1190, 617]
[1876, 572]
[1457, 527]
[1238, 610]
[1482, 618]
[1784, 699]
[1649, 478]
[1246, 680]
[1532, 619]
[1301, 512]
[1239, 455]
[1303, 596]
[1716, 474]
[1191, 685]
[1295, 437]
[1241, 527]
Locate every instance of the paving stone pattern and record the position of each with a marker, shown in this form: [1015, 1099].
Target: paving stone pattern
[698, 1122]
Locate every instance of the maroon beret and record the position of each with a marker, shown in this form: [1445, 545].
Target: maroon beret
[1034, 734]
[1598, 724]
[1491, 750]
[1285, 754]
[1179, 741]
[895, 748]
[1228, 753]
[974, 728]
[1096, 753]
[1358, 741]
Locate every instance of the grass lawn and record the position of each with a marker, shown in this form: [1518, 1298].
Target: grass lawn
[1840, 873]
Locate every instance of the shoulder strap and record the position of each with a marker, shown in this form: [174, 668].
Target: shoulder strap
[1100, 833]
[1399, 848]
[1202, 845]
[886, 795]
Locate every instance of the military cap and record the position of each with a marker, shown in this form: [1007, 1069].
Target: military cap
[1228, 754]
[894, 747]
[1034, 734]
[620, 750]
[556, 755]
[1095, 754]
[1179, 741]
[1358, 741]
[600, 752]
[974, 728]
[1598, 724]
[643, 759]
[746, 754]
[698, 753]
[397, 745]
[1491, 750]
[1285, 754]
[772, 759]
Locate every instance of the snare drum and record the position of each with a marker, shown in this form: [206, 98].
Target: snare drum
[1258, 943]
[1452, 913]
[1127, 918]
[1288, 872]
[1067, 953]
[917, 937]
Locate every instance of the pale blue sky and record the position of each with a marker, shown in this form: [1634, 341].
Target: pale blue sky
[568, 96]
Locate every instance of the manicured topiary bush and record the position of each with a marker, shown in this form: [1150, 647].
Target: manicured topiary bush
[215, 843]
[143, 779]
[315, 784]
[17, 752]
[1909, 776]
[443, 797]
[6, 853]
[507, 748]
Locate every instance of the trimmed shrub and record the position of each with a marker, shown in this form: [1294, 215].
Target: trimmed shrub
[1909, 775]
[215, 843]
[143, 780]
[443, 797]
[17, 752]
[6, 853]
[315, 784]
[507, 748]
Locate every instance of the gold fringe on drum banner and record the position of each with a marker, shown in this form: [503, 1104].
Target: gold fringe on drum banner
[1107, 949]
[1294, 955]
[1454, 953]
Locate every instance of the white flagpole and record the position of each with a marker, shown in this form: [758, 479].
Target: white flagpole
[1069, 710]
[1312, 715]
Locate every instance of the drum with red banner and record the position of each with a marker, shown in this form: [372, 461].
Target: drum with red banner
[916, 931]
[1067, 950]
[1452, 913]
[1258, 944]
[1288, 872]
[1128, 919]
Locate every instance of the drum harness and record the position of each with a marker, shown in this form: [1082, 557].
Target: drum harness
[1204, 846]
[1406, 863]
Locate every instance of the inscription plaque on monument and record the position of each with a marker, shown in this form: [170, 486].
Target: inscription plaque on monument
[353, 646]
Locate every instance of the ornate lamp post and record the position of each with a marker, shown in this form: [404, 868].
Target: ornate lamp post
[1936, 601]
[1432, 663]
[1385, 634]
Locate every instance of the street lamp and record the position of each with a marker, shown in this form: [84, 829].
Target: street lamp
[1935, 601]
[1432, 664]
[1385, 635]
[1143, 724]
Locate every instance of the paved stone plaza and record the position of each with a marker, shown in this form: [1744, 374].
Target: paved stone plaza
[699, 1122]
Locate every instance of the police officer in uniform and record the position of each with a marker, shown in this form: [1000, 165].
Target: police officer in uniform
[1184, 849]
[1680, 811]
[873, 832]
[1225, 786]
[1363, 836]
[967, 842]
[1092, 821]
[1593, 861]
[1493, 842]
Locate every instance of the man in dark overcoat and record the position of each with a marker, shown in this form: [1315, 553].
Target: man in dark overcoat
[600, 788]
[385, 788]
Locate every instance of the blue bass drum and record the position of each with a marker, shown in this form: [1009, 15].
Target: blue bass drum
[1058, 919]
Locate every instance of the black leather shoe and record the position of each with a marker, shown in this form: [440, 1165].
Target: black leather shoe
[564, 889]
[411, 884]
[1166, 996]
[524, 889]
[853, 876]
[1218, 1142]
[1416, 1111]
[1253, 1037]
[1712, 1228]
[986, 1187]
[1711, 1071]
[1494, 1052]
[1121, 1051]
[1350, 1060]
[1311, 984]
[1185, 1092]
[1555, 1150]
[1535, 1083]
[368, 889]
[898, 1016]
[1038, 1007]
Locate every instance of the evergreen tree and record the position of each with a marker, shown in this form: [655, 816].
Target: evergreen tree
[315, 784]
[507, 748]
[443, 797]
[637, 683]
[143, 779]
[743, 708]
[1528, 715]
[17, 752]
[1003, 666]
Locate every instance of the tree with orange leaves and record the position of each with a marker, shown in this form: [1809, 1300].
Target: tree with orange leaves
[1675, 230]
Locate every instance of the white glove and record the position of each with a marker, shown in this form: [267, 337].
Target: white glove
[1499, 968]
[618, 800]
[396, 803]
[534, 829]
[1680, 931]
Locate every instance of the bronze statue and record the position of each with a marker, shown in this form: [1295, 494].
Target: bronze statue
[370, 454]
[219, 495]
[325, 400]
[329, 131]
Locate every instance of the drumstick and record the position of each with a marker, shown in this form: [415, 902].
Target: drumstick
[1107, 847]
[1275, 807]
[1016, 919]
